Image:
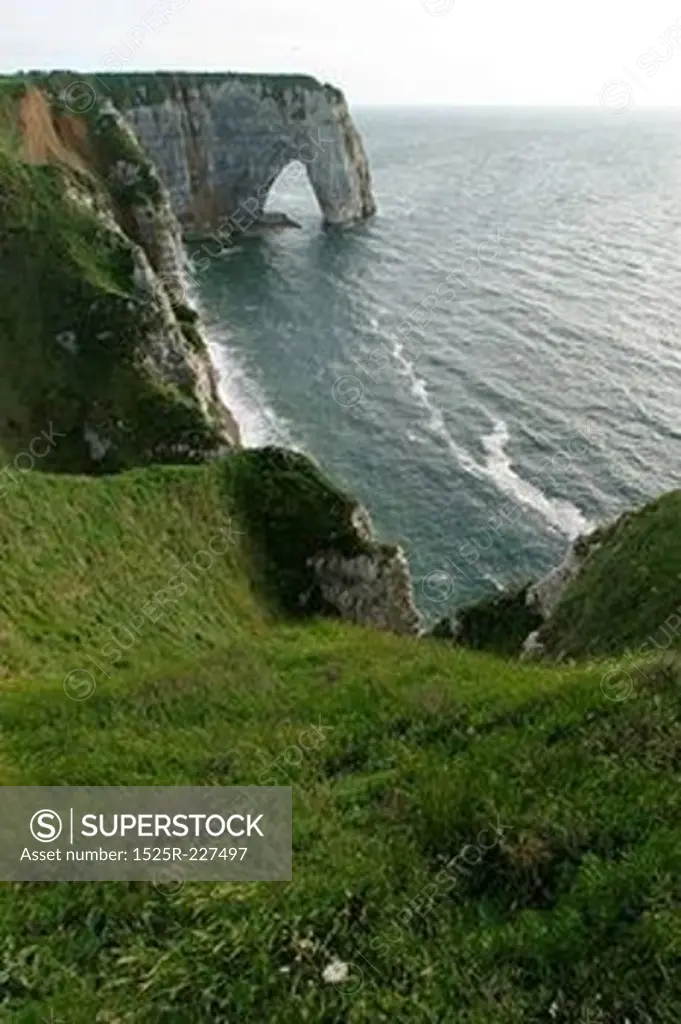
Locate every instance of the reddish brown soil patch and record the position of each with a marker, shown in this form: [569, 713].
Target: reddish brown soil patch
[41, 143]
[73, 134]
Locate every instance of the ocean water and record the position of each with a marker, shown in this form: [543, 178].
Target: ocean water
[492, 364]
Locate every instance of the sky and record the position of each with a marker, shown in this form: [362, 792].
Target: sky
[619, 54]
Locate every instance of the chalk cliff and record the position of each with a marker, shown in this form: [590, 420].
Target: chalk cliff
[219, 143]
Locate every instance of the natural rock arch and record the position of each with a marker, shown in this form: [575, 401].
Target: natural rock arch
[220, 143]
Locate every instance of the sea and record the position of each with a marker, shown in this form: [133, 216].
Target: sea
[492, 364]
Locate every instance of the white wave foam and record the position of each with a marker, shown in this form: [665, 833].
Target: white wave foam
[497, 467]
[258, 423]
[561, 514]
[435, 423]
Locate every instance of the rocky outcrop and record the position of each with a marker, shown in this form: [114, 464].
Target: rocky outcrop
[177, 354]
[221, 141]
[547, 592]
[320, 553]
[544, 596]
[370, 589]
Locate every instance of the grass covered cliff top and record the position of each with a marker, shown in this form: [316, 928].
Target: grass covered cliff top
[557, 809]
[628, 594]
[624, 598]
[126, 89]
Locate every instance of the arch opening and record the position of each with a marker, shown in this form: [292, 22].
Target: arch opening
[291, 200]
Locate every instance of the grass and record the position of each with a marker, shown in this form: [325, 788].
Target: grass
[568, 914]
[628, 595]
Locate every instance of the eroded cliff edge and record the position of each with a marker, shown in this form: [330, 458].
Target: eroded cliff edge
[95, 347]
[220, 141]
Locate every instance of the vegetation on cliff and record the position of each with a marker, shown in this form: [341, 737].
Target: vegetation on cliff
[89, 343]
[293, 513]
[128, 89]
[499, 623]
[628, 594]
[625, 596]
[556, 808]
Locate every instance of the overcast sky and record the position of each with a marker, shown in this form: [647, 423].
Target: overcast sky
[620, 52]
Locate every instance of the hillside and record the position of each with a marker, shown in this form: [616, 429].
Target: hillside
[617, 592]
[567, 912]
[627, 595]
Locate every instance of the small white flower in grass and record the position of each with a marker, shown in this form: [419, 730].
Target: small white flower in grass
[335, 972]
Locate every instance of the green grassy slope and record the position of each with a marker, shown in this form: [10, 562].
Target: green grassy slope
[628, 595]
[567, 913]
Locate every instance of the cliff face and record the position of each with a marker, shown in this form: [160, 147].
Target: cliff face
[619, 589]
[96, 348]
[220, 142]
